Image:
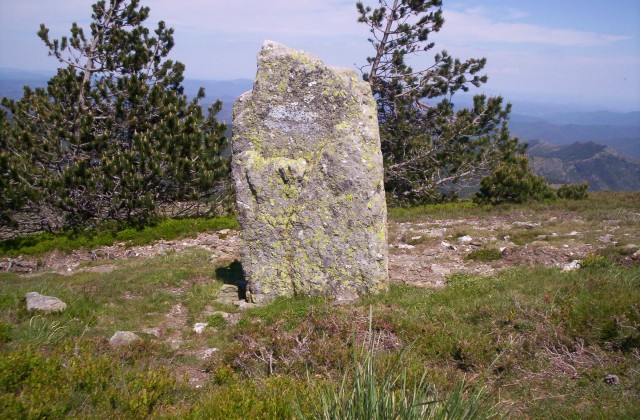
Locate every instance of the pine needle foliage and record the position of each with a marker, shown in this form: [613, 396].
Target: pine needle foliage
[112, 136]
[432, 149]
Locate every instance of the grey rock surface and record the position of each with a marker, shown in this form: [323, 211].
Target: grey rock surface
[122, 338]
[308, 175]
[38, 302]
[228, 294]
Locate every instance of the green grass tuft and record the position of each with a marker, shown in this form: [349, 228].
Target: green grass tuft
[486, 254]
[68, 241]
[452, 209]
[369, 392]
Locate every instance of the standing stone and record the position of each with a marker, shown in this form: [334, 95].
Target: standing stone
[309, 184]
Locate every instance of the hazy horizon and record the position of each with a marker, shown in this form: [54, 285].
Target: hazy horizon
[580, 53]
[553, 104]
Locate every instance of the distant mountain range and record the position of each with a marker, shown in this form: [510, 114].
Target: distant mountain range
[620, 131]
[566, 145]
[603, 167]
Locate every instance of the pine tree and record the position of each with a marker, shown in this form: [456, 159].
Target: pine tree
[430, 150]
[113, 136]
[10, 198]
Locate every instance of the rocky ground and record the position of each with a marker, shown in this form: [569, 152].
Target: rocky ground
[421, 252]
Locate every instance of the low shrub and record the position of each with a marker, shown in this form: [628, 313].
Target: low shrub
[513, 182]
[573, 191]
[594, 261]
[34, 385]
[487, 254]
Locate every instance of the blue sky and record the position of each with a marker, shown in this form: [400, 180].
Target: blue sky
[567, 51]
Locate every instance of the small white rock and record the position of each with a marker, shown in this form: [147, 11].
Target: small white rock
[573, 265]
[121, 338]
[405, 246]
[155, 331]
[209, 352]
[199, 327]
[244, 304]
[465, 239]
[528, 225]
[447, 245]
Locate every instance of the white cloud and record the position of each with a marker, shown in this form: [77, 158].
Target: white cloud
[277, 17]
[473, 25]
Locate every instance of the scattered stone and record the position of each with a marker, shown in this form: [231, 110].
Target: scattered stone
[174, 343]
[447, 245]
[527, 225]
[440, 269]
[434, 233]
[606, 238]
[343, 301]
[199, 327]
[243, 304]
[207, 353]
[122, 338]
[611, 379]
[46, 304]
[405, 246]
[155, 331]
[573, 233]
[176, 319]
[465, 239]
[573, 265]
[19, 265]
[308, 176]
[415, 238]
[636, 255]
[228, 294]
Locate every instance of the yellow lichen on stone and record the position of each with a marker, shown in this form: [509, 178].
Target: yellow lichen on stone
[306, 159]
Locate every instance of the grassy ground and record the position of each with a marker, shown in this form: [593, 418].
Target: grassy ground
[68, 241]
[536, 343]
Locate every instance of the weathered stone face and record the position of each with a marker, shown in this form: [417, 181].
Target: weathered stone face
[309, 180]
